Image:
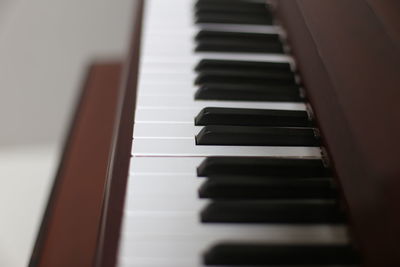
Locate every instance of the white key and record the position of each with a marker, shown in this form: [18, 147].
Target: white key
[161, 204]
[186, 89]
[182, 235]
[187, 223]
[166, 78]
[161, 215]
[187, 147]
[188, 102]
[194, 58]
[165, 165]
[176, 237]
[165, 130]
[164, 115]
[167, 115]
[157, 130]
[130, 260]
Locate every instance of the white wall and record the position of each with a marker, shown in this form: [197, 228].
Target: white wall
[45, 47]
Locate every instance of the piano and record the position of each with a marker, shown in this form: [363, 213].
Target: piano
[236, 133]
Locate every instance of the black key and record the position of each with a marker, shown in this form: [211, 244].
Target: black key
[272, 211]
[246, 77]
[221, 41]
[235, 7]
[258, 187]
[216, 64]
[238, 46]
[280, 255]
[219, 17]
[246, 92]
[233, 12]
[232, 9]
[263, 166]
[252, 117]
[243, 2]
[206, 35]
[256, 136]
[231, 5]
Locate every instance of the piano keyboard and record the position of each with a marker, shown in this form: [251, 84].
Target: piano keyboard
[226, 168]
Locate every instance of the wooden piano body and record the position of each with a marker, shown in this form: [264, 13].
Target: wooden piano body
[348, 54]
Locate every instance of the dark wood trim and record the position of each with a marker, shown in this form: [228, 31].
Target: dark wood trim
[69, 232]
[349, 56]
[121, 153]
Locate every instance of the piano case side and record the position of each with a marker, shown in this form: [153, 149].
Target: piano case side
[114, 197]
[83, 217]
[348, 55]
[69, 231]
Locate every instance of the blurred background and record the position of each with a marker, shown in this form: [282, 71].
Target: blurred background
[45, 49]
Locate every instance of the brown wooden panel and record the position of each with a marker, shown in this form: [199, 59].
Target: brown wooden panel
[388, 12]
[70, 231]
[121, 152]
[349, 64]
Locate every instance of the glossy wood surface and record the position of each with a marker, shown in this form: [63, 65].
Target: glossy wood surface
[349, 56]
[107, 247]
[70, 231]
[82, 221]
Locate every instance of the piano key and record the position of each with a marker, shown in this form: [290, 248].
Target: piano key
[189, 246]
[213, 64]
[175, 56]
[204, 35]
[272, 211]
[244, 92]
[240, 13]
[165, 115]
[163, 184]
[222, 76]
[189, 131]
[163, 192]
[185, 30]
[162, 171]
[165, 130]
[256, 136]
[247, 78]
[219, 91]
[236, 18]
[180, 235]
[165, 165]
[188, 223]
[187, 147]
[263, 166]
[231, 4]
[257, 187]
[242, 253]
[161, 234]
[167, 194]
[227, 166]
[172, 43]
[186, 259]
[252, 117]
[269, 29]
[162, 45]
[187, 102]
[241, 46]
[232, 7]
[167, 185]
